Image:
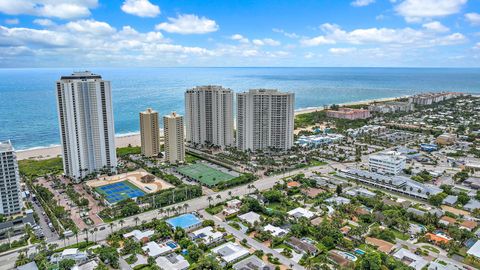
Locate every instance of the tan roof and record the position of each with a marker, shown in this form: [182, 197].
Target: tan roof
[293, 184]
[382, 245]
[316, 221]
[312, 192]
[450, 220]
[337, 258]
[469, 224]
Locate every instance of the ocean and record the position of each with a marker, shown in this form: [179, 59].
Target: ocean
[28, 114]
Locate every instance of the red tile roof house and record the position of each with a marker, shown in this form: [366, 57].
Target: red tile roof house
[447, 221]
[293, 184]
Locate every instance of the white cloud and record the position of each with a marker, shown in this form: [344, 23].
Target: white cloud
[63, 9]
[436, 27]
[417, 10]
[316, 41]
[266, 41]
[141, 8]
[362, 3]
[188, 24]
[240, 38]
[43, 22]
[12, 21]
[90, 27]
[425, 37]
[94, 41]
[477, 46]
[341, 51]
[473, 18]
[287, 34]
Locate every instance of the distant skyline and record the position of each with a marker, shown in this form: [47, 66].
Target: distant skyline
[154, 33]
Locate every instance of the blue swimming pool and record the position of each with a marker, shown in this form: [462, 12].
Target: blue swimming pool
[185, 221]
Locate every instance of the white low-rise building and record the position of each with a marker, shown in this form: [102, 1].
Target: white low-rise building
[138, 235]
[475, 250]
[389, 163]
[230, 252]
[250, 218]
[275, 231]
[301, 212]
[172, 261]
[207, 235]
[153, 249]
[410, 259]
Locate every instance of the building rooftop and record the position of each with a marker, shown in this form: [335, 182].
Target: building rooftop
[230, 252]
[6, 146]
[252, 263]
[172, 261]
[81, 75]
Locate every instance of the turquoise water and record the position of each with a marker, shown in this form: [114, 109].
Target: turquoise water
[184, 221]
[28, 107]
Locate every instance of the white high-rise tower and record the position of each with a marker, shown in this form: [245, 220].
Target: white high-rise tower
[265, 119]
[10, 200]
[209, 115]
[87, 131]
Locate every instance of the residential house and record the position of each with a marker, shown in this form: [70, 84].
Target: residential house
[337, 200]
[69, 254]
[381, 245]
[447, 221]
[172, 261]
[230, 253]
[250, 218]
[301, 212]
[475, 250]
[450, 200]
[139, 236]
[301, 246]
[207, 235]
[275, 231]
[252, 263]
[153, 249]
[410, 259]
[338, 259]
[468, 225]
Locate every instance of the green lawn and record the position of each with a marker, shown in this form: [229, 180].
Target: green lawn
[35, 168]
[204, 174]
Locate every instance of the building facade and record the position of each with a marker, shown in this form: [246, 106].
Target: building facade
[390, 163]
[174, 138]
[348, 113]
[86, 124]
[10, 199]
[149, 133]
[265, 120]
[209, 115]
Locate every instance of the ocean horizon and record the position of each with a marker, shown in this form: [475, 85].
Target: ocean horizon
[28, 113]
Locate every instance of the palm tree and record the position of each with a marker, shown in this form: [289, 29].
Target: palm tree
[209, 200]
[136, 219]
[9, 232]
[121, 221]
[219, 197]
[185, 207]
[75, 231]
[85, 230]
[161, 211]
[230, 194]
[111, 226]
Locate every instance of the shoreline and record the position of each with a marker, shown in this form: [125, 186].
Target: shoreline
[133, 138]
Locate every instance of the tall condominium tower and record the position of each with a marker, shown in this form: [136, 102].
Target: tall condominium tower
[10, 202]
[265, 119]
[86, 124]
[149, 133]
[174, 138]
[209, 115]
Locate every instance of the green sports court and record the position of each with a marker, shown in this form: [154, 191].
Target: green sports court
[204, 174]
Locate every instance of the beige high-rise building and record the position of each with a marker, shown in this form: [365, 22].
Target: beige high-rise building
[174, 138]
[149, 133]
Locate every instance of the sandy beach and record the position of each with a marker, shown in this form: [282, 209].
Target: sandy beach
[134, 139]
[51, 152]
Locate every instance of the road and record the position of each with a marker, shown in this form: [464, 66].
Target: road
[49, 235]
[252, 242]
[7, 259]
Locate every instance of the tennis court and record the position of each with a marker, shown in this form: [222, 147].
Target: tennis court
[204, 174]
[119, 191]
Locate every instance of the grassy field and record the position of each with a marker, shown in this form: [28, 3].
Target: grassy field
[35, 168]
[204, 174]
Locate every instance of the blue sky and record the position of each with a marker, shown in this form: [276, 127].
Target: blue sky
[125, 33]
